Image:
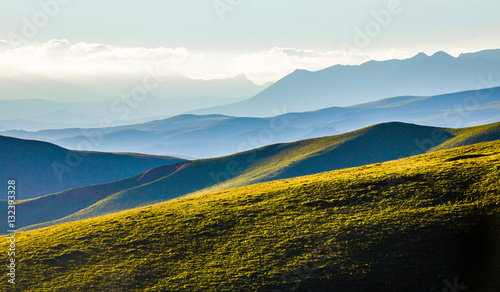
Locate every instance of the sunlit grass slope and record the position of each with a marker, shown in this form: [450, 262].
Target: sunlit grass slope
[413, 224]
[471, 135]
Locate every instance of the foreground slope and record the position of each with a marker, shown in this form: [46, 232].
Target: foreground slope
[42, 168]
[417, 224]
[370, 145]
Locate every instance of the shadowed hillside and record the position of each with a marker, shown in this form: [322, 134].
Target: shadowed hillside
[374, 144]
[48, 208]
[41, 168]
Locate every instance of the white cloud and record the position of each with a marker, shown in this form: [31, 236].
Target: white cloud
[62, 57]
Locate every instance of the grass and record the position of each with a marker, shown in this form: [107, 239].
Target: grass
[405, 225]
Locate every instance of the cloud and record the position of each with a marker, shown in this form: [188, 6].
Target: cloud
[60, 56]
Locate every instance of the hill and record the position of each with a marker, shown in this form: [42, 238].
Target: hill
[374, 144]
[342, 85]
[42, 168]
[425, 223]
[218, 135]
[48, 208]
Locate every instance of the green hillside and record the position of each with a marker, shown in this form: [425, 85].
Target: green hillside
[415, 224]
[374, 144]
[471, 135]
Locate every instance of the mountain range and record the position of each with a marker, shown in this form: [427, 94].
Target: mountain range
[43, 105]
[87, 87]
[300, 91]
[39, 114]
[342, 85]
[193, 136]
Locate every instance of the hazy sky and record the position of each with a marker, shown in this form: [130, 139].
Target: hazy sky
[264, 39]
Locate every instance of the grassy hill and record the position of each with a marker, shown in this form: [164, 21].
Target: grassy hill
[42, 168]
[472, 135]
[416, 224]
[374, 144]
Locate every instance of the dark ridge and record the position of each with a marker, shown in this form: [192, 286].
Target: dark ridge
[162, 171]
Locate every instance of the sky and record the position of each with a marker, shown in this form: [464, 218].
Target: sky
[217, 39]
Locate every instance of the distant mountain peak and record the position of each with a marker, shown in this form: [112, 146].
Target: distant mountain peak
[300, 71]
[241, 76]
[421, 55]
[441, 54]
